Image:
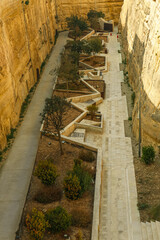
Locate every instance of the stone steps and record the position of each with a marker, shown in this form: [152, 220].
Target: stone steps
[78, 134]
[150, 230]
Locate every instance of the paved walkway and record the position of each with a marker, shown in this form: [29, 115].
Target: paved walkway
[16, 173]
[119, 216]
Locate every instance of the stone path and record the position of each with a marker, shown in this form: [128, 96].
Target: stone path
[119, 216]
[16, 173]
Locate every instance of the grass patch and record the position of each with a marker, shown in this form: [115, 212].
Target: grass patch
[155, 213]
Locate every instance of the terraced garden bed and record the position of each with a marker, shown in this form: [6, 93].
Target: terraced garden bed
[80, 209]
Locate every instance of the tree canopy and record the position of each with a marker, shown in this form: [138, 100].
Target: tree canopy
[78, 25]
[55, 110]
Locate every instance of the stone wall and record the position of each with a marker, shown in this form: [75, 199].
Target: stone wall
[65, 8]
[139, 22]
[26, 37]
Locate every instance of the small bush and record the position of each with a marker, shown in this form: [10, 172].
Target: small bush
[72, 187]
[92, 110]
[142, 206]
[48, 195]
[46, 172]
[81, 217]
[87, 156]
[36, 224]
[155, 213]
[84, 177]
[58, 219]
[148, 154]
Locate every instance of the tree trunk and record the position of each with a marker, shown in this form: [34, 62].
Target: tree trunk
[60, 142]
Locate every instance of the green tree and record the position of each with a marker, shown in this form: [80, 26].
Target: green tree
[77, 25]
[95, 45]
[92, 110]
[55, 110]
[93, 17]
[95, 14]
[58, 219]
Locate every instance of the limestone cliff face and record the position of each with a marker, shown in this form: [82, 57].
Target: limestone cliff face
[26, 37]
[140, 22]
[65, 8]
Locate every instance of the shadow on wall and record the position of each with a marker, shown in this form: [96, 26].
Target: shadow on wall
[149, 113]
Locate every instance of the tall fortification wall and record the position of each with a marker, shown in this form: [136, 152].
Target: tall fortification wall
[26, 37]
[27, 34]
[66, 8]
[140, 22]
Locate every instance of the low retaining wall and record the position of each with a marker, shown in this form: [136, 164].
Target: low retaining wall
[88, 35]
[97, 197]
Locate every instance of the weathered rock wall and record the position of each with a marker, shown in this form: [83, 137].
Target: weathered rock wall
[26, 37]
[139, 23]
[65, 8]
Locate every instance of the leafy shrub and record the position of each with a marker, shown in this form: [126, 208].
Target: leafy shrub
[84, 177]
[148, 154]
[58, 219]
[142, 206]
[36, 224]
[72, 187]
[48, 195]
[92, 110]
[81, 217]
[46, 172]
[86, 156]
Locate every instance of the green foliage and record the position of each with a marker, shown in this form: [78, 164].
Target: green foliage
[58, 219]
[130, 118]
[92, 110]
[11, 135]
[25, 105]
[27, 2]
[93, 17]
[148, 154]
[78, 25]
[95, 14]
[87, 156]
[155, 213]
[1, 156]
[142, 206]
[55, 110]
[46, 172]
[84, 177]
[48, 195]
[133, 96]
[95, 44]
[72, 187]
[36, 224]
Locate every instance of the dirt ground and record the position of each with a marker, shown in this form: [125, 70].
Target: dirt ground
[49, 149]
[95, 61]
[147, 176]
[72, 86]
[88, 117]
[98, 85]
